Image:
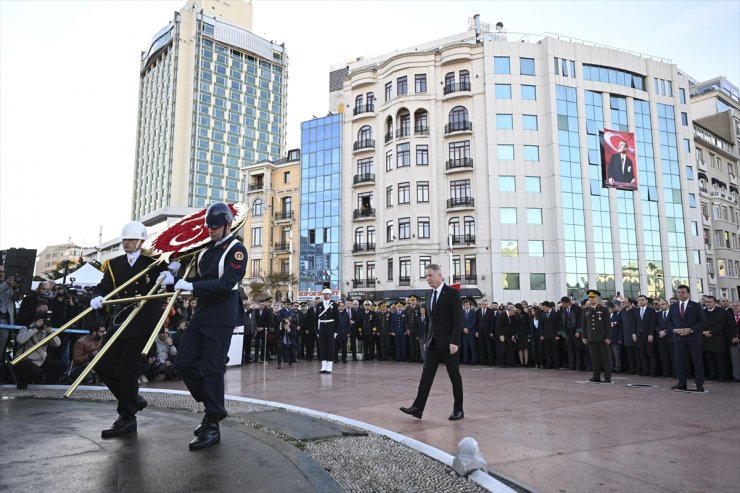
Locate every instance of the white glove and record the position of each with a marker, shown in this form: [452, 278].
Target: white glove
[174, 266]
[96, 303]
[166, 278]
[184, 285]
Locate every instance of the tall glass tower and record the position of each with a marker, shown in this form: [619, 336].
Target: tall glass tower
[212, 99]
[320, 205]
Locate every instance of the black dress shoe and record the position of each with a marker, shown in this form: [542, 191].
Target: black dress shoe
[607, 380]
[679, 386]
[210, 435]
[120, 427]
[202, 426]
[594, 380]
[456, 415]
[141, 403]
[322, 371]
[700, 388]
[412, 411]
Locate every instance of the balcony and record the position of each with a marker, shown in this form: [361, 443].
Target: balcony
[255, 187]
[364, 178]
[463, 240]
[466, 279]
[367, 213]
[363, 247]
[701, 165]
[455, 88]
[283, 246]
[363, 109]
[461, 126]
[421, 130]
[283, 216]
[404, 281]
[388, 137]
[459, 164]
[363, 283]
[403, 132]
[461, 202]
[363, 144]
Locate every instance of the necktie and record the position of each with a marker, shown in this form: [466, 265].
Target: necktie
[434, 300]
[131, 261]
[682, 309]
[623, 160]
[642, 313]
[484, 313]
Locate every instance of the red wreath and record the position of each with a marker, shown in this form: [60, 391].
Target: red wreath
[187, 233]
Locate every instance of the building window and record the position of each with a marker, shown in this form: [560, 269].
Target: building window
[390, 269]
[256, 267]
[507, 215]
[402, 86]
[532, 184]
[526, 66]
[509, 248]
[511, 281]
[404, 228]
[684, 119]
[423, 228]
[504, 121]
[534, 216]
[404, 193]
[388, 90]
[389, 161]
[365, 166]
[505, 152]
[404, 269]
[389, 231]
[403, 155]
[529, 122]
[503, 91]
[422, 191]
[460, 150]
[501, 65]
[422, 155]
[420, 82]
[536, 248]
[531, 153]
[537, 282]
[311, 236]
[687, 146]
[257, 236]
[258, 207]
[506, 184]
[389, 196]
[529, 92]
[682, 95]
[460, 189]
[286, 177]
[424, 262]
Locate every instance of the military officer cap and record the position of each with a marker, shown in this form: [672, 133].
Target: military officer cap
[592, 292]
[411, 298]
[303, 303]
[368, 303]
[326, 291]
[609, 304]
[381, 304]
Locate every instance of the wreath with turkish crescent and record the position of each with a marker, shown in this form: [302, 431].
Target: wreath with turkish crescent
[190, 232]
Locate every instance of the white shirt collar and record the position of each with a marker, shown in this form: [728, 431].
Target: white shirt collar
[133, 257]
[222, 240]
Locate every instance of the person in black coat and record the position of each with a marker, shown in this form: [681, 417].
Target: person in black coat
[665, 342]
[309, 329]
[263, 317]
[365, 324]
[443, 333]
[686, 323]
[714, 335]
[628, 316]
[523, 333]
[341, 342]
[383, 323]
[470, 333]
[484, 321]
[549, 325]
[287, 342]
[570, 321]
[644, 337]
[616, 336]
[505, 335]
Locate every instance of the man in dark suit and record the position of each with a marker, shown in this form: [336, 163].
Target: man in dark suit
[443, 332]
[503, 333]
[570, 322]
[686, 322]
[484, 322]
[470, 332]
[665, 342]
[716, 329]
[629, 330]
[734, 337]
[549, 336]
[644, 336]
[264, 320]
[620, 169]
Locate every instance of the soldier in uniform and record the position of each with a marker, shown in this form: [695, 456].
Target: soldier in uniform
[596, 332]
[398, 330]
[201, 359]
[366, 325]
[383, 323]
[327, 315]
[119, 367]
[412, 329]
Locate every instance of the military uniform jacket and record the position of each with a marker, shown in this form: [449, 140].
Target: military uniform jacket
[117, 271]
[328, 317]
[398, 322]
[412, 319]
[596, 323]
[365, 322]
[220, 269]
[383, 322]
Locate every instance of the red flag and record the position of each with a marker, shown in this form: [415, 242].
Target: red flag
[455, 286]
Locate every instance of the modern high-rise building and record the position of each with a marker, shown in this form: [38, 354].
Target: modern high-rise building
[715, 107]
[481, 152]
[212, 99]
[321, 210]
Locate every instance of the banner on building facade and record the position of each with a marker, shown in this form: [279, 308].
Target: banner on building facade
[618, 159]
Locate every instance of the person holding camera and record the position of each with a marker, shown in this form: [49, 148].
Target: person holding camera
[9, 294]
[83, 352]
[165, 360]
[37, 365]
[288, 342]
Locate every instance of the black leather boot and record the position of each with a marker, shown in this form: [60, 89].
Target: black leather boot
[202, 426]
[120, 427]
[210, 435]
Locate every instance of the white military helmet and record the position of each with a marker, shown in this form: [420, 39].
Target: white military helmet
[133, 231]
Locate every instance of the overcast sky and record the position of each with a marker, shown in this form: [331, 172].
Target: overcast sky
[69, 80]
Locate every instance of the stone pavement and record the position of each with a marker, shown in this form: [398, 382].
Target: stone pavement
[546, 430]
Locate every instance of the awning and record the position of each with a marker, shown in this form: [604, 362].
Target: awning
[733, 188]
[398, 294]
[703, 176]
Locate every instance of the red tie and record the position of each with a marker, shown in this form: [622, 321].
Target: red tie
[682, 310]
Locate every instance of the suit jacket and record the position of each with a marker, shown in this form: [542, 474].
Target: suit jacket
[263, 319]
[570, 320]
[693, 319]
[505, 326]
[717, 322]
[647, 325]
[444, 324]
[629, 325]
[8, 297]
[485, 323]
[549, 325]
[250, 324]
[734, 326]
[614, 170]
[470, 322]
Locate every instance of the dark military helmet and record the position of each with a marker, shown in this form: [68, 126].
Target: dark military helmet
[218, 215]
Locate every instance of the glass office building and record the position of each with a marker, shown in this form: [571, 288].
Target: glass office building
[320, 205]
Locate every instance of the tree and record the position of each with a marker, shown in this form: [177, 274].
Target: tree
[270, 285]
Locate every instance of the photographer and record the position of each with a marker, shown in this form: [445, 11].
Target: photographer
[38, 301]
[165, 358]
[37, 365]
[63, 307]
[85, 349]
[9, 294]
